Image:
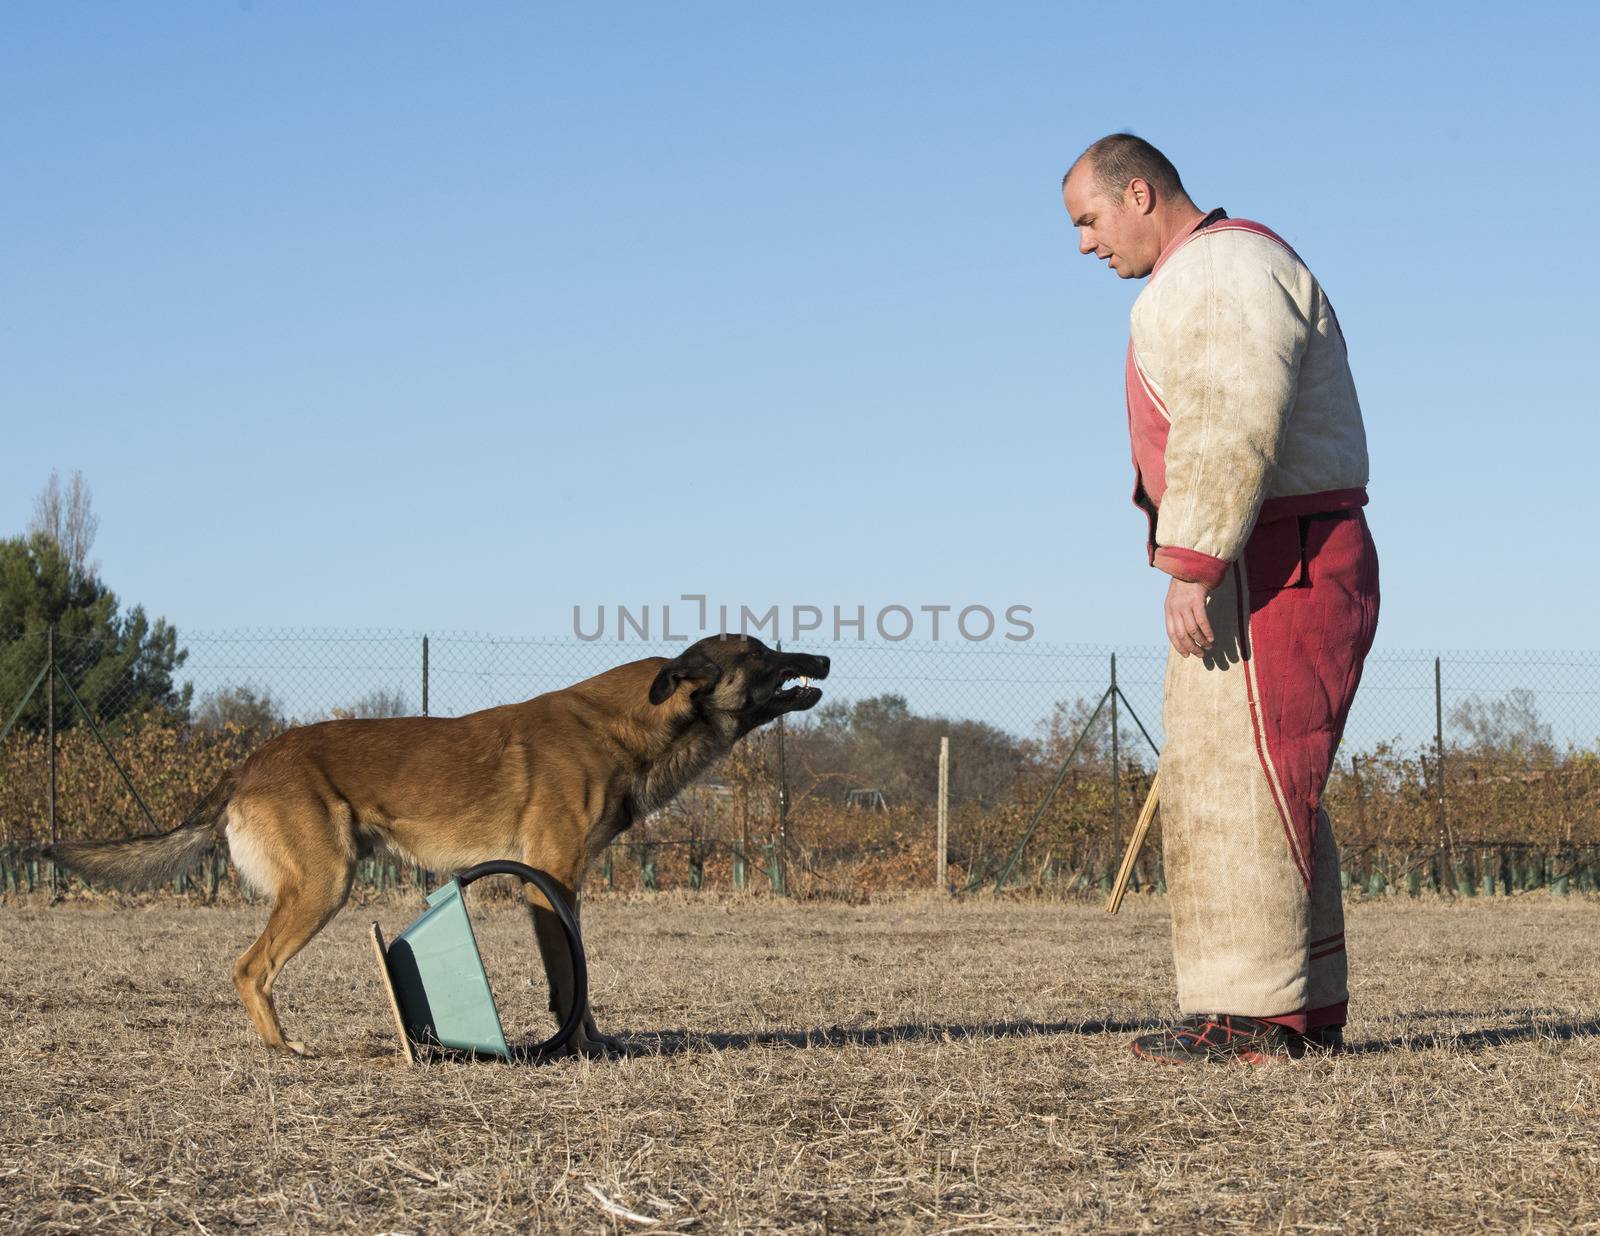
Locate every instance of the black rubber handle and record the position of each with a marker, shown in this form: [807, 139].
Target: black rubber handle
[580, 970]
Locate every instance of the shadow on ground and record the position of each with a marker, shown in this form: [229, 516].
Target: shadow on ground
[1483, 1040]
[676, 1042]
[682, 1042]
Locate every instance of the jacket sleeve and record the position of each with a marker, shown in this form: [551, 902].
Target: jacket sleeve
[1229, 322]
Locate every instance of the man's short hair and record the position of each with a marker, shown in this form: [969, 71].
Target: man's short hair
[1120, 157]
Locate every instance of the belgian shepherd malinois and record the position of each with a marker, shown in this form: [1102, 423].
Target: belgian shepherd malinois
[549, 782]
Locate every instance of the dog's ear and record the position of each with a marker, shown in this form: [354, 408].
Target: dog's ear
[690, 667]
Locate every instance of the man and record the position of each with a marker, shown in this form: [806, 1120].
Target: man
[1250, 463]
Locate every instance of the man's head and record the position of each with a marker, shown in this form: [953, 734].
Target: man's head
[1127, 202]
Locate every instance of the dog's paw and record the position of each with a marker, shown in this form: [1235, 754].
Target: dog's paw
[609, 1045]
[594, 1046]
[298, 1048]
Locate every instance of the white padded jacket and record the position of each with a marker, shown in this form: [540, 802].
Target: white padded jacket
[1241, 405]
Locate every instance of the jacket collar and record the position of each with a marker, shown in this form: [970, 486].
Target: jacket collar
[1184, 238]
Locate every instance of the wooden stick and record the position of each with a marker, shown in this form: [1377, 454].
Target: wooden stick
[1135, 844]
[382, 950]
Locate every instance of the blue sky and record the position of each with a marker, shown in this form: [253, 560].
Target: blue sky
[453, 317]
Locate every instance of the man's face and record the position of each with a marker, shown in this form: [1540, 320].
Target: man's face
[1122, 233]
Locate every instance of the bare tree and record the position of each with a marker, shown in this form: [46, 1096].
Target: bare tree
[879, 743]
[254, 712]
[1508, 727]
[68, 518]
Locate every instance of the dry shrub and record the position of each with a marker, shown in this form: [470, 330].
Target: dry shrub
[171, 764]
[1385, 807]
[1392, 799]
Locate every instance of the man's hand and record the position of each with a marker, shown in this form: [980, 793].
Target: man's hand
[1187, 626]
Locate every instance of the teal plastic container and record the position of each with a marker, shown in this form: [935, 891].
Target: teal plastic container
[438, 989]
[439, 979]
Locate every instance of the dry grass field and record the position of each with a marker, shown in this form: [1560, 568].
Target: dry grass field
[907, 1066]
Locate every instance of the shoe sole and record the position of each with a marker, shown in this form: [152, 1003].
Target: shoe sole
[1251, 1058]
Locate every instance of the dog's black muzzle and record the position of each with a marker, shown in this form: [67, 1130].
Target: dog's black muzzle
[802, 695]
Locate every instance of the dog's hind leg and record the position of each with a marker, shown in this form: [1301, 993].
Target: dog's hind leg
[310, 885]
[299, 914]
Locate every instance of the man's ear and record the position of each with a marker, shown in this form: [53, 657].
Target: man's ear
[690, 667]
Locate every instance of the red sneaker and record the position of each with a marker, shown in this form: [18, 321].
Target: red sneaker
[1225, 1038]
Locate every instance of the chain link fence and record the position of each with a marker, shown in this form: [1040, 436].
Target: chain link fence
[1466, 772]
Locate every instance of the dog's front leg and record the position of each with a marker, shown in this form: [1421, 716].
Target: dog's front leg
[607, 1043]
[553, 948]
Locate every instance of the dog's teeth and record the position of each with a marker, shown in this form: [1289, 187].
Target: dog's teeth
[804, 681]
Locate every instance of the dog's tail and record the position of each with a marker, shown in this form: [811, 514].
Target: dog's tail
[155, 857]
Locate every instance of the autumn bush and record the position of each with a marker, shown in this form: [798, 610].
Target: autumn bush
[170, 764]
[768, 816]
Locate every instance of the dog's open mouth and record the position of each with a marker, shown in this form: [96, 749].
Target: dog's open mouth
[802, 696]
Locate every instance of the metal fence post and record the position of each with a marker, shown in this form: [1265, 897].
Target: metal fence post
[50, 726]
[1116, 771]
[424, 675]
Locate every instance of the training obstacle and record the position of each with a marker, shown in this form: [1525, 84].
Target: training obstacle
[438, 989]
